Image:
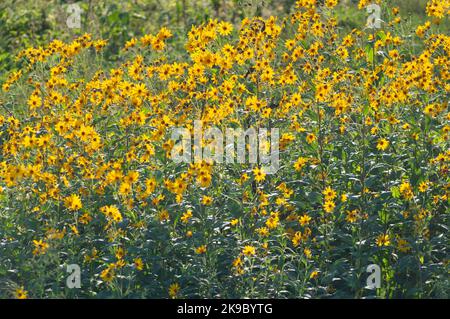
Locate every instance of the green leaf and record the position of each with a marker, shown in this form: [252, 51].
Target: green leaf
[395, 192]
[370, 53]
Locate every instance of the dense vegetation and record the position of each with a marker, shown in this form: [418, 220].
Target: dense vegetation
[86, 175]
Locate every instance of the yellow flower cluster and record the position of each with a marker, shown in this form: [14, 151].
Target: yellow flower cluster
[364, 151]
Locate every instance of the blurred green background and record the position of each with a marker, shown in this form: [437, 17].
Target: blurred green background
[25, 23]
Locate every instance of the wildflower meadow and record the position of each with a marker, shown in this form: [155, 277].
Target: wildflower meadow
[311, 160]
